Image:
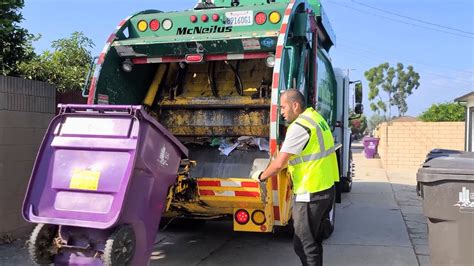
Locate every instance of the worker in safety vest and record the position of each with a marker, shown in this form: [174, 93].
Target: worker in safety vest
[308, 150]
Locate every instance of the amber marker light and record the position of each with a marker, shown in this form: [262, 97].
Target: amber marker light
[142, 25]
[274, 17]
[258, 217]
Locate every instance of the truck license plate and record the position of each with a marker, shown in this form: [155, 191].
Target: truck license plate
[239, 18]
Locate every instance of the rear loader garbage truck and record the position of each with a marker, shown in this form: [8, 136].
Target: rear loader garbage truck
[210, 78]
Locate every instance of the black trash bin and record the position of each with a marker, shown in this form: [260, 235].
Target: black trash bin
[446, 184]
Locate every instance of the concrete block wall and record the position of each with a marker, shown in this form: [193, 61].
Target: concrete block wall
[26, 108]
[406, 144]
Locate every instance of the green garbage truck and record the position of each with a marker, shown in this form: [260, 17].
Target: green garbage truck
[212, 75]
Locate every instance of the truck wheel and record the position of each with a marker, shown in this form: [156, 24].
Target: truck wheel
[346, 184]
[120, 247]
[40, 245]
[327, 225]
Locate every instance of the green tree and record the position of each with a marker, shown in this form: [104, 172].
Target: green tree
[375, 120]
[15, 44]
[358, 126]
[396, 82]
[444, 112]
[66, 67]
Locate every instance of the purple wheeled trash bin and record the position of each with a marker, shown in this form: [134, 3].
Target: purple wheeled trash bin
[99, 186]
[370, 146]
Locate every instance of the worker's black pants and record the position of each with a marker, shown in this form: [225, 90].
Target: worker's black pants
[307, 218]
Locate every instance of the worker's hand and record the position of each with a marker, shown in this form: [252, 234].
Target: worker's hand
[256, 175]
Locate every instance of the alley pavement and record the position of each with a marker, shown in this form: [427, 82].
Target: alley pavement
[380, 222]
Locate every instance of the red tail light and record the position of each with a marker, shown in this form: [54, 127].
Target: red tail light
[193, 18]
[154, 25]
[193, 58]
[215, 17]
[242, 216]
[260, 18]
[204, 18]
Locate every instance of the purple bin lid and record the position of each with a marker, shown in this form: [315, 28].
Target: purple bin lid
[85, 163]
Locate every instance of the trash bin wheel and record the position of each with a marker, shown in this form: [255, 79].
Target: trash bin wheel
[347, 183]
[327, 225]
[120, 247]
[40, 245]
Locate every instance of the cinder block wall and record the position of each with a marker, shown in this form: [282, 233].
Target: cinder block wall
[405, 144]
[26, 108]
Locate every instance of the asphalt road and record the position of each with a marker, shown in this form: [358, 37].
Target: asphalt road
[379, 222]
[214, 243]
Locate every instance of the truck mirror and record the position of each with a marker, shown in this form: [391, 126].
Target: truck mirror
[358, 93]
[359, 108]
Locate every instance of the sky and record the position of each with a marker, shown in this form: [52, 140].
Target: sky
[436, 37]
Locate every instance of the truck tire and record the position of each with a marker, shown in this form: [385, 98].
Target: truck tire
[346, 184]
[120, 247]
[327, 225]
[40, 245]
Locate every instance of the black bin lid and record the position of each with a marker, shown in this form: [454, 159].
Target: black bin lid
[447, 165]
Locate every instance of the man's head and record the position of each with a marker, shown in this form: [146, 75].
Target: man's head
[292, 104]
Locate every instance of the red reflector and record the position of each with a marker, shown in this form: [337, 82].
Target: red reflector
[193, 58]
[206, 192]
[260, 18]
[154, 25]
[247, 194]
[215, 17]
[209, 183]
[247, 184]
[193, 18]
[204, 18]
[242, 216]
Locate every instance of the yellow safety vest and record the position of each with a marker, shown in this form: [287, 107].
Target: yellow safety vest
[315, 168]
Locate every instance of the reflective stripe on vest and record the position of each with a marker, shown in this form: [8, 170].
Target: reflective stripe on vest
[311, 157]
[318, 130]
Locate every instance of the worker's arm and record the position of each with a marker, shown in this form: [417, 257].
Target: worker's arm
[276, 165]
[295, 141]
